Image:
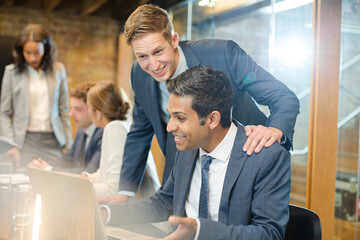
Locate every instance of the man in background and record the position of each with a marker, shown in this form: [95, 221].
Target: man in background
[84, 155]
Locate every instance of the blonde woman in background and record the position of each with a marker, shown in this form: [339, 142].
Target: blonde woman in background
[107, 110]
[34, 109]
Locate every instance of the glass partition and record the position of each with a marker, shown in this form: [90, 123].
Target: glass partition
[278, 35]
[347, 202]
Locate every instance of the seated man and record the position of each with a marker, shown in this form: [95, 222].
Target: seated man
[215, 190]
[84, 155]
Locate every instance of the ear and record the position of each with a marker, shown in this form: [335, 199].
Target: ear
[98, 115]
[213, 119]
[175, 40]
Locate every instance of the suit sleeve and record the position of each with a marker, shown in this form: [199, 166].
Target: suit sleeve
[152, 209]
[6, 107]
[137, 148]
[264, 88]
[64, 108]
[269, 206]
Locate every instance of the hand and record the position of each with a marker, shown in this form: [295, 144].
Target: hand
[104, 214]
[113, 199]
[260, 136]
[13, 155]
[38, 163]
[186, 228]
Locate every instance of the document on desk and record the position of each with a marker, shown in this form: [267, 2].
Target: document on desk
[119, 233]
[135, 231]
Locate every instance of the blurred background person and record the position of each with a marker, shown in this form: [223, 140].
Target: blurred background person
[34, 109]
[108, 110]
[84, 155]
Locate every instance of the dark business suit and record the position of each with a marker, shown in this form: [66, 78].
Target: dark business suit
[248, 80]
[254, 200]
[75, 160]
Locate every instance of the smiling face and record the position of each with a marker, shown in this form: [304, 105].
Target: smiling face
[156, 55]
[33, 53]
[79, 113]
[186, 126]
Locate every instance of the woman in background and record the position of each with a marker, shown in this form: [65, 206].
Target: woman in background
[34, 109]
[108, 110]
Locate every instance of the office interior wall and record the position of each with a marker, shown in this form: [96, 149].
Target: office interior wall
[87, 46]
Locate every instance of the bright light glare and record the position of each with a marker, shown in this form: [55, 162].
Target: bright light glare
[292, 52]
[203, 3]
[209, 3]
[37, 218]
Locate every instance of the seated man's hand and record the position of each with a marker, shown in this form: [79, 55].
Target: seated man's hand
[13, 155]
[260, 136]
[186, 228]
[113, 199]
[104, 214]
[38, 163]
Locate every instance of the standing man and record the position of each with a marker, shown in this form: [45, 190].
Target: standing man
[215, 190]
[84, 155]
[160, 58]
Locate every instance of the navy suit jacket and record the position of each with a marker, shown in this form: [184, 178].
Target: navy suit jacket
[249, 80]
[71, 161]
[254, 200]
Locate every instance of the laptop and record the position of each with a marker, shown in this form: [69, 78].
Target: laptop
[69, 209]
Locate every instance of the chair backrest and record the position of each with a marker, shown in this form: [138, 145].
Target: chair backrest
[303, 224]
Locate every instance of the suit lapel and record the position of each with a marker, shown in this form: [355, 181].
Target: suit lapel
[187, 165]
[191, 58]
[152, 97]
[24, 83]
[235, 166]
[51, 82]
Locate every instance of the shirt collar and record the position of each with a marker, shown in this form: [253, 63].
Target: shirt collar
[90, 131]
[182, 65]
[222, 151]
[33, 73]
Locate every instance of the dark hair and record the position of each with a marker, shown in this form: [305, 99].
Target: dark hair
[106, 98]
[210, 91]
[80, 91]
[36, 33]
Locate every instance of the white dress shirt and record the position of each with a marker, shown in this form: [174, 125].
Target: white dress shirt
[39, 120]
[218, 166]
[89, 133]
[164, 93]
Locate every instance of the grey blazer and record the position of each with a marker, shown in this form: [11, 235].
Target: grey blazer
[254, 200]
[15, 108]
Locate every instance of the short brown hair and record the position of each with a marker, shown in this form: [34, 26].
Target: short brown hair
[80, 91]
[107, 99]
[145, 19]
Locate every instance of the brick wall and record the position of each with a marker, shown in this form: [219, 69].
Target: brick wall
[86, 45]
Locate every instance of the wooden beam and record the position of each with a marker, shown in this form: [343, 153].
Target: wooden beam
[321, 174]
[7, 3]
[91, 6]
[50, 5]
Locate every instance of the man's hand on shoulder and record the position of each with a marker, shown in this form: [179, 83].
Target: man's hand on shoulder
[113, 199]
[260, 136]
[186, 228]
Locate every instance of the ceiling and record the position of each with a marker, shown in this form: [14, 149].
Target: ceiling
[115, 9]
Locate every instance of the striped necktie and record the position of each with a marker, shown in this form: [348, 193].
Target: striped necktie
[204, 191]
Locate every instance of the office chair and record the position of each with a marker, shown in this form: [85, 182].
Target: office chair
[303, 224]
